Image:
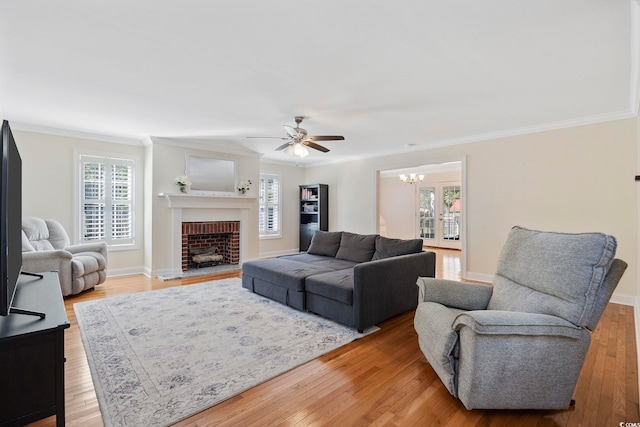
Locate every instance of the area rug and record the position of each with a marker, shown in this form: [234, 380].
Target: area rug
[160, 356]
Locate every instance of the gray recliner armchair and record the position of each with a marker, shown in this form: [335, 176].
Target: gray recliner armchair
[46, 247]
[521, 343]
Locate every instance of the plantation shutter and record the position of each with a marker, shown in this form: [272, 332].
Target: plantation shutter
[269, 205]
[93, 203]
[122, 202]
[107, 200]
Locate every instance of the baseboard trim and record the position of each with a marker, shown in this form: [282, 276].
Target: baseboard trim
[124, 271]
[624, 299]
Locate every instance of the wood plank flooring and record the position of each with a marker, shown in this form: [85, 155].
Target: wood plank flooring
[380, 380]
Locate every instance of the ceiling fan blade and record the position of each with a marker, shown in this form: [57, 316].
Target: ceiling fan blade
[291, 131]
[315, 146]
[283, 146]
[269, 137]
[325, 138]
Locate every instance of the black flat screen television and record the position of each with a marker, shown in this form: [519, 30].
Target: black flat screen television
[10, 218]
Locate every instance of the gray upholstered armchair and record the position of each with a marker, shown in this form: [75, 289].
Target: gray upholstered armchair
[520, 343]
[46, 247]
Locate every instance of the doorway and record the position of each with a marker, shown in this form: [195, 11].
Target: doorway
[439, 214]
[399, 213]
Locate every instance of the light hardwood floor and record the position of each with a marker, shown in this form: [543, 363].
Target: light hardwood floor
[380, 380]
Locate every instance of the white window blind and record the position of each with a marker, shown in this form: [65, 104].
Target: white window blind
[269, 205]
[107, 200]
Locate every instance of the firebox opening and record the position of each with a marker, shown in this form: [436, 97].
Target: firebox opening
[206, 257]
[206, 244]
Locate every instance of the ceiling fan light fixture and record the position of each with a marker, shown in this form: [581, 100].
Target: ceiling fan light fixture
[297, 149]
[300, 150]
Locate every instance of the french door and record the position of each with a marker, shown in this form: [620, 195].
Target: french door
[440, 214]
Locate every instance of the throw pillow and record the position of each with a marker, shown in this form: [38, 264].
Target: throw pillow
[325, 243]
[386, 247]
[356, 247]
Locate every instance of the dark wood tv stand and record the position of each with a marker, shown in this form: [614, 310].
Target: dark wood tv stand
[32, 354]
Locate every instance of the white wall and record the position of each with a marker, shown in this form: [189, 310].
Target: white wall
[397, 208]
[291, 177]
[352, 194]
[48, 163]
[575, 179]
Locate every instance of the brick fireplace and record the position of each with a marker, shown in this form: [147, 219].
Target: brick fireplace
[224, 235]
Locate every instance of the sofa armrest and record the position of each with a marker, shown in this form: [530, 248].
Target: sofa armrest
[100, 247]
[43, 261]
[385, 288]
[451, 293]
[505, 323]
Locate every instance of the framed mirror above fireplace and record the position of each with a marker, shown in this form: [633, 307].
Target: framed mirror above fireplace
[211, 176]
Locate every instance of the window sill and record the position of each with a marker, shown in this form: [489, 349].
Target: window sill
[118, 248]
[270, 236]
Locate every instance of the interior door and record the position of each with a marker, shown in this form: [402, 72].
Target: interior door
[440, 214]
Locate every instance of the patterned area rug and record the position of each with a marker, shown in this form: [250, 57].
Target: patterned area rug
[158, 357]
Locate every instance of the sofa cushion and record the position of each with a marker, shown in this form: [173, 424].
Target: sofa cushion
[57, 235]
[325, 243]
[356, 247]
[37, 232]
[304, 257]
[282, 272]
[386, 247]
[321, 261]
[337, 285]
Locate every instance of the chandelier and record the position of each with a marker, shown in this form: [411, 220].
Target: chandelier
[411, 179]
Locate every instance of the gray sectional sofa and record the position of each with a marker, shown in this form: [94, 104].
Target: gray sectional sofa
[358, 280]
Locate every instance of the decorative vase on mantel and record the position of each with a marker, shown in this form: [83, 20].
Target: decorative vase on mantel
[183, 188]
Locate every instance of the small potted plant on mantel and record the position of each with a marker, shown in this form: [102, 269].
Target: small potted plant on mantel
[243, 187]
[183, 182]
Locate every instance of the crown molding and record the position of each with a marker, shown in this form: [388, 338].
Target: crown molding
[26, 127]
[208, 145]
[545, 127]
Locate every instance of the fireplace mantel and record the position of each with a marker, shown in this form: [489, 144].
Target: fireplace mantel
[200, 201]
[203, 207]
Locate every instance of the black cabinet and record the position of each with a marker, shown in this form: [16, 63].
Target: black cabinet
[314, 212]
[32, 354]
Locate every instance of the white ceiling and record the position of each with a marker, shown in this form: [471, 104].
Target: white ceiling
[389, 76]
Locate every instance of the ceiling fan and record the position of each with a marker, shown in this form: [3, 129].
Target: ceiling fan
[298, 140]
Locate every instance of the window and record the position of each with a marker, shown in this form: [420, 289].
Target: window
[106, 200]
[269, 205]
